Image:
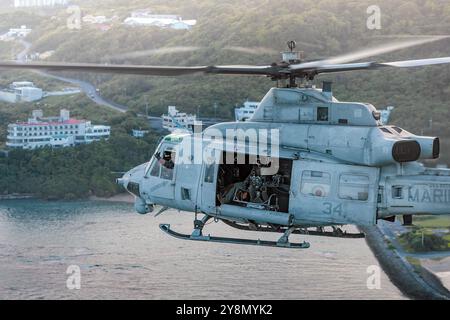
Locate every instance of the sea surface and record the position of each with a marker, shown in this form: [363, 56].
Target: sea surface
[123, 255]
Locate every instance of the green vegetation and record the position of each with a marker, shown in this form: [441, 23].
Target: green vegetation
[436, 234]
[414, 262]
[321, 27]
[81, 171]
[423, 240]
[435, 222]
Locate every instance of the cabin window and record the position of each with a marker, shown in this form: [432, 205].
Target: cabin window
[397, 192]
[209, 173]
[322, 114]
[354, 187]
[316, 183]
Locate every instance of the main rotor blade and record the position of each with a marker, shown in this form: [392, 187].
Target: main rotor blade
[330, 68]
[366, 53]
[416, 63]
[245, 70]
[105, 68]
[141, 70]
[374, 65]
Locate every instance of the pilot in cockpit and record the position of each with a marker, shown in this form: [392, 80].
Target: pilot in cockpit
[166, 160]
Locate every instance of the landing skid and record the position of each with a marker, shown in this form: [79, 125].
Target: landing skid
[198, 236]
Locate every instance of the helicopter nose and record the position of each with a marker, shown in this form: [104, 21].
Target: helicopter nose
[128, 184]
[130, 181]
[121, 182]
[140, 205]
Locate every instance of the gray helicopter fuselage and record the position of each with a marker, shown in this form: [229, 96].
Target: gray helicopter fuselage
[336, 164]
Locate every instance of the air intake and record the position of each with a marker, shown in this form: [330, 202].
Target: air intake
[436, 148]
[406, 151]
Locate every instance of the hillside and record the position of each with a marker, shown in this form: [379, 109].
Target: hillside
[322, 28]
[78, 172]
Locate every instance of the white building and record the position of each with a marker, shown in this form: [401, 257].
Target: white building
[175, 120]
[54, 132]
[21, 32]
[39, 3]
[139, 133]
[246, 112]
[159, 20]
[14, 33]
[98, 19]
[21, 91]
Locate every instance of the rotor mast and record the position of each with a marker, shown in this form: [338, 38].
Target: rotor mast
[291, 57]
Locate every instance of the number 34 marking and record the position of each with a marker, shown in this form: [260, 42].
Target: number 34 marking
[330, 208]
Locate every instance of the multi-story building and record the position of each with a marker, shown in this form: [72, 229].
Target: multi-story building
[21, 91]
[39, 3]
[175, 120]
[54, 132]
[141, 18]
[246, 112]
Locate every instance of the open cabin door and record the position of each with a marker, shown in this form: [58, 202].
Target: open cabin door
[334, 193]
[209, 180]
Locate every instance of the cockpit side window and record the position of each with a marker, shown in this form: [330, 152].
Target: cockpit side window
[163, 164]
[155, 169]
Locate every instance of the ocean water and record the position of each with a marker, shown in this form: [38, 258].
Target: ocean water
[123, 255]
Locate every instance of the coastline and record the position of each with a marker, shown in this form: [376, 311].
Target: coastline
[121, 197]
[16, 196]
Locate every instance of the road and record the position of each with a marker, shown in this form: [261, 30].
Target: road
[88, 88]
[91, 91]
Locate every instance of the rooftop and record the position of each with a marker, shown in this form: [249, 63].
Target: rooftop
[51, 123]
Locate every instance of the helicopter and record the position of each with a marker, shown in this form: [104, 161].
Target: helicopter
[304, 163]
